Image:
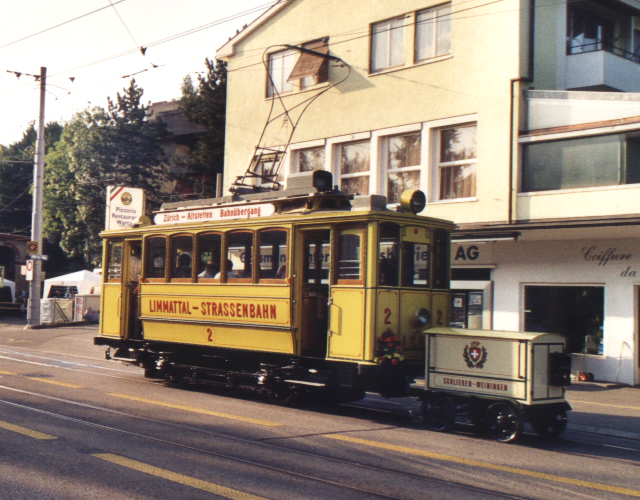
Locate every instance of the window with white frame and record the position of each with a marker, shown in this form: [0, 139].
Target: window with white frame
[387, 44]
[291, 70]
[457, 161]
[433, 32]
[401, 159]
[308, 159]
[280, 67]
[354, 159]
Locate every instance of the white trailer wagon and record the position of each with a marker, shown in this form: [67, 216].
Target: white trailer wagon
[498, 379]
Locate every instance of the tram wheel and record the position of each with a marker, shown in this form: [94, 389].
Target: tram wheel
[282, 395]
[503, 423]
[438, 412]
[550, 425]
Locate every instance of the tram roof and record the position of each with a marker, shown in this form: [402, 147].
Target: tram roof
[309, 194]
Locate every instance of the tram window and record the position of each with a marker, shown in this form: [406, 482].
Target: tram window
[181, 256]
[209, 252]
[155, 255]
[239, 249]
[388, 254]
[273, 254]
[114, 265]
[441, 257]
[317, 257]
[350, 258]
[415, 264]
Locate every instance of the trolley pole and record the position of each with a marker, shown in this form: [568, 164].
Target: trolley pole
[35, 287]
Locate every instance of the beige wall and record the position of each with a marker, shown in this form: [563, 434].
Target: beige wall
[473, 82]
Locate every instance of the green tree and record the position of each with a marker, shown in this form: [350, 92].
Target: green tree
[16, 179]
[99, 148]
[205, 105]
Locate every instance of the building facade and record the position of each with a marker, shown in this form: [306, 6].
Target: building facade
[519, 119]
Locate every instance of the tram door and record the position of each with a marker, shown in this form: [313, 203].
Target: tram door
[314, 273]
[119, 296]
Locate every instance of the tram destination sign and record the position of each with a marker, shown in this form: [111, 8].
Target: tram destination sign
[215, 213]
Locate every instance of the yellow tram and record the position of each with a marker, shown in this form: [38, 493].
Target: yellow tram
[306, 290]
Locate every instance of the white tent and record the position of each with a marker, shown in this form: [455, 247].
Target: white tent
[86, 283]
[12, 286]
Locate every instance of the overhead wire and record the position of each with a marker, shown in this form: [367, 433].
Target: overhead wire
[61, 24]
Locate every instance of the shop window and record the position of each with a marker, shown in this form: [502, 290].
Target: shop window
[273, 254]
[605, 160]
[181, 256]
[433, 32]
[577, 312]
[155, 256]
[388, 245]
[470, 274]
[354, 164]
[457, 159]
[466, 309]
[238, 264]
[114, 263]
[209, 254]
[350, 256]
[401, 156]
[387, 44]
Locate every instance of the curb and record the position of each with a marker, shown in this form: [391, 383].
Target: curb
[604, 432]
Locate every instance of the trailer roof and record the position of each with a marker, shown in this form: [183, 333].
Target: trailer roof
[499, 334]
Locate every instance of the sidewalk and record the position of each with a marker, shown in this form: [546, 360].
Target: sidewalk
[605, 409]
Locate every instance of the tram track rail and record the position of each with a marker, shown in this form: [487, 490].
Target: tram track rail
[432, 481]
[403, 409]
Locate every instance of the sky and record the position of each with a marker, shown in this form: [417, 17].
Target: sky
[91, 49]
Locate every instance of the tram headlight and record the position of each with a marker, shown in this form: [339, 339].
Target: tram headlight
[421, 318]
[413, 200]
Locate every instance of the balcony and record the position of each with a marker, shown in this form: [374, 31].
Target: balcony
[602, 70]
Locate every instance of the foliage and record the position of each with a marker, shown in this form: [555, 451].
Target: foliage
[99, 148]
[205, 105]
[16, 204]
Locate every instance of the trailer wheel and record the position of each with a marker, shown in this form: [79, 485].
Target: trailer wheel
[503, 422]
[438, 412]
[550, 425]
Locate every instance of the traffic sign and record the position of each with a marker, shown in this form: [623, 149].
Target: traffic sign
[32, 247]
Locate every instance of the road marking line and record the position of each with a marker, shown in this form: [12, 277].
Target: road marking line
[486, 465]
[603, 404]
[2, 372]
[177, 478]
[25, 432]
[63, 384]
[198, 410]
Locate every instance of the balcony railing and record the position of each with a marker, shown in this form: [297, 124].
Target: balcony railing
[602, 46]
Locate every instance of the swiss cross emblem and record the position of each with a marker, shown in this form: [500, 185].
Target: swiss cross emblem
[475, 355]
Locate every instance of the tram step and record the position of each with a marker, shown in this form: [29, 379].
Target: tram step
[305, 382]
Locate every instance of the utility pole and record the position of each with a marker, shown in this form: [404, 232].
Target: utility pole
[35, 287]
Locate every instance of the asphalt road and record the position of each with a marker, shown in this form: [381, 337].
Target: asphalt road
[73, 425]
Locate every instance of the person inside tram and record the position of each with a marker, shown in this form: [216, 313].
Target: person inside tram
[210, 270]
[230, 272]
[281, 273]
[388, 271]
[184, 266]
